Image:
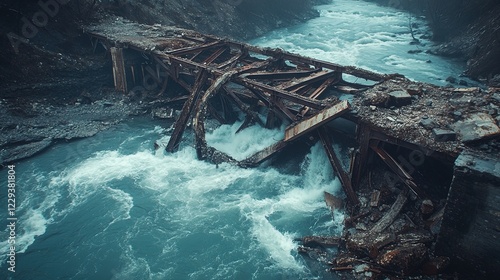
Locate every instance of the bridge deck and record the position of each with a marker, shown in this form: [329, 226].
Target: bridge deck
[272, 86]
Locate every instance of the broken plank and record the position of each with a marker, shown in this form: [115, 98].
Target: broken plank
[389, 217]
[322, 117]
[337, 167]
[263, 155]
[180, 124]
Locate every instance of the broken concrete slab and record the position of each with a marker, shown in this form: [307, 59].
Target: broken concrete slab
[477, 127]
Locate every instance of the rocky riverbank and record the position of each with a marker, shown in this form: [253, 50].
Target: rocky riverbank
[54, 88]
[465, 30]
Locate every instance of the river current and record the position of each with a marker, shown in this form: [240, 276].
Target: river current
[110, 207]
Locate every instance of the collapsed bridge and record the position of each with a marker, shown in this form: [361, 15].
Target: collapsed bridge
[411, 127]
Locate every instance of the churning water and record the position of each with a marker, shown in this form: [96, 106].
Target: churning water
[110, 207]
[359, 33]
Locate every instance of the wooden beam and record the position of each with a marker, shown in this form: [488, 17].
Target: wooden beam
[180, 124]
[389, 217]
[230, 61]
[281, 75]
[316, 77]
[215, 55]
[242, 106]
[119, 74]
[295, 98]
[263, 155]
[317, 93]
[294, 131]
[398, 169]
[337, 167]
[202, 149]
[360, 157]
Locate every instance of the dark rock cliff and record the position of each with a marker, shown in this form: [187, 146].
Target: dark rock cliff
[43, 50]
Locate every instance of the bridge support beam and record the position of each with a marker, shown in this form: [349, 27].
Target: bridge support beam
[119, 74]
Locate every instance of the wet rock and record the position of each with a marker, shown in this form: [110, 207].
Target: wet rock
[314, 253]
[320, 241]
[495, 81]
[414, 51]
[333, 202]
[427, 123]
[451, 79]
[444, 135]
[163, 113]
[463, 83]
[406, 258]
[23, 151]
[457, 114]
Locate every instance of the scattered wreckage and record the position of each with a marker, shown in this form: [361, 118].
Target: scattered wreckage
[423, 182]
